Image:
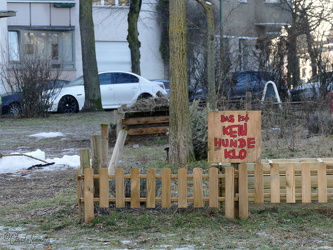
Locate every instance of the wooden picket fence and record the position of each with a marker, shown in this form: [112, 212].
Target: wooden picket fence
[278, 181]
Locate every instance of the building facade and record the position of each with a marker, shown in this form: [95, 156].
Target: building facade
[51, 28]
[248, 22]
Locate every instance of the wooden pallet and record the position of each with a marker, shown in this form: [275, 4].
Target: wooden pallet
[142, 123]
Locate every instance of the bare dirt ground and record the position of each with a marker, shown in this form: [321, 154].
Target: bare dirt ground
[20, 188]
[55, 219]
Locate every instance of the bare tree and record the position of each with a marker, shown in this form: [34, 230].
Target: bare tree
[90, 72]
[133, 35]
[180, 137]
[208, 7]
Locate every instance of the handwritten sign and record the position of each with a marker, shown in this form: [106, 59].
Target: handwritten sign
[234, 136]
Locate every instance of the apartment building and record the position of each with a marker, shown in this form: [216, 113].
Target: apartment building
[245, 22]
[52, 28]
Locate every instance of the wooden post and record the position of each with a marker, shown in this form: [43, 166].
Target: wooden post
[88, 195]
[243, 192]
[258, 183]
[120, 188]
[104, 144]
[117, 150]
[306, 183]
[151, 188]
[104, 188]
[197, 187]
[213, 187]
[96, 159]
[166, 187]
[248, 104]
[135, 188]
[230, 192]
[182, 188]
[84, 163]
[322, 182]
[275, 183]
[290, 183]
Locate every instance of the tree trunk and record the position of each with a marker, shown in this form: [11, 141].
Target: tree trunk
[89, 64]
[180, 137]
[133, 35]
[208, 7]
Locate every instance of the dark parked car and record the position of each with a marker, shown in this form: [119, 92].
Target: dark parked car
[253, 81]
[11, 102]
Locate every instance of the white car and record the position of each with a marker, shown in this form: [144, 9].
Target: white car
[117, 89]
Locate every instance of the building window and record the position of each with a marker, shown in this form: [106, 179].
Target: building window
[272, 1]
[110, 2]
[57, 46]
[13, 45]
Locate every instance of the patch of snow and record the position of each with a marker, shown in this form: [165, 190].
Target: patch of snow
[47, 135]
[17, 162]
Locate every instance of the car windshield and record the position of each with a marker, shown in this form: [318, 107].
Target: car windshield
[76, 82]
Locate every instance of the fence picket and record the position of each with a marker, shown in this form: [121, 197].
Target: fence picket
[88, 195]
[197, 187]
[243, 191]
[258, 183]
[151, 188]
[213, 187]
[290, 183]
[322, 183]
[103, 188]
[229, 192]
[182, 188]
[120, 188]
[135, 188]
[166, 187]
[306, 183]
[275, 183]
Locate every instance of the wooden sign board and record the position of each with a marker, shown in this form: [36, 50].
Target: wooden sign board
[234, 136]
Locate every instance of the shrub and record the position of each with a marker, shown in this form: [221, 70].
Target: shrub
[199, 122]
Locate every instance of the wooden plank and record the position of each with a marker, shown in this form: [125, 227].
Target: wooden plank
[275, 183]
[118, 116]
[290, 183]
[182, 188]
[166, 187]
[117, 151]
[104, 188]
[322, 183]
[229, 193]
[79, 194]
[84, 163]
[258, 183]
[306, 183]
[135, 188]
[234, 136]
[145, 120]
[104, 144]
[243, 192]
[120, 188]
[148, 130]
[88, 195]
[213, 187]
[96, 159]
[151, 188]
[197, 187]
